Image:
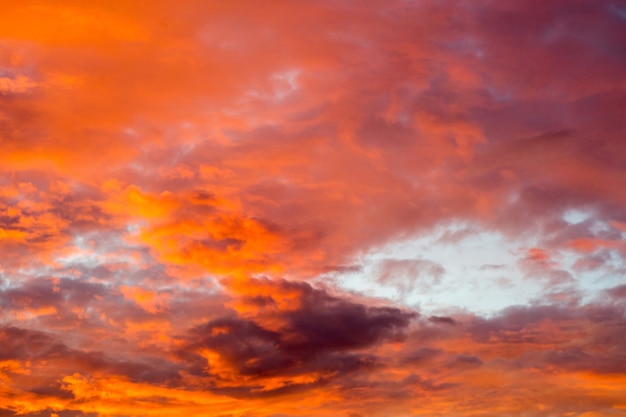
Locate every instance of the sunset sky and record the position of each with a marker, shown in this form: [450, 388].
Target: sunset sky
[282, 208]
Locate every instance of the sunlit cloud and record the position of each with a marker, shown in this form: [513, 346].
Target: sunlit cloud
[281, 208]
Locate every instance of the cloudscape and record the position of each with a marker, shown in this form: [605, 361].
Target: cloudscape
[313, 208]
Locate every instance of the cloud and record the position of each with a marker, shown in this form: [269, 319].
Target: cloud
[313, 339]
[181, 181]
[617, 292]
[18, 84]
[408, 274]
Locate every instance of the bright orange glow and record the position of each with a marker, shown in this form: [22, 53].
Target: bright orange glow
[316, 208]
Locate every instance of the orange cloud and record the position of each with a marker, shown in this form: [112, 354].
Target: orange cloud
[186, 190]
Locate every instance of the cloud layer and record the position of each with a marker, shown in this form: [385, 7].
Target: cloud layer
[200, 201]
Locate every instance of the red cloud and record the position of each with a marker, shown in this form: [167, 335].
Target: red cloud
[176, 179]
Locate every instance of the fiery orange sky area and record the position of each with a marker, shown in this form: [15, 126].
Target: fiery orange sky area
[286, 208]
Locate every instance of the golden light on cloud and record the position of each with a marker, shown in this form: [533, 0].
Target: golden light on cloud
[271, 209]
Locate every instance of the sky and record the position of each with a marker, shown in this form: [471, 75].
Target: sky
[398, 208]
